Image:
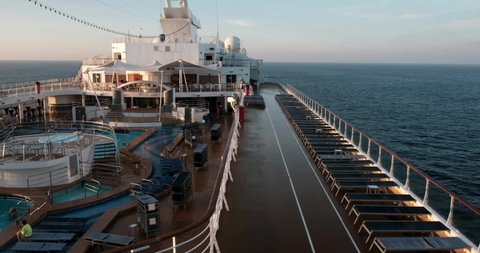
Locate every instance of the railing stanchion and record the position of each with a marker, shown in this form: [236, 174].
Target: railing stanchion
[407, 180]
[392, 165]
[427, 189]
[368, 148]
[450, 213]
[360, 147]
[379, 160]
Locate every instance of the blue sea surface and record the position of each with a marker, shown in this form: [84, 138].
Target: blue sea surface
[427, 114]
[29, 71]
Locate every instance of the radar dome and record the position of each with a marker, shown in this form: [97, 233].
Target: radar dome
[232, 44]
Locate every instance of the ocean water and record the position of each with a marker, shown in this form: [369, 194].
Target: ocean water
[427, 114]
[27, 71]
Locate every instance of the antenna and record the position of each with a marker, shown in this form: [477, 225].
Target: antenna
[218, 35]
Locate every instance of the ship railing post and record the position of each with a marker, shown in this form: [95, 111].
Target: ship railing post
[391, 165]
[427, 188]
[353, 133]
[407, 180]
[360, 147]
[345, 130]
[450, 213]
[368, 148]
[379, 160]
[174, 245]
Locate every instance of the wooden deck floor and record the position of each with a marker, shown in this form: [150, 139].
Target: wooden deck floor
[278, 201]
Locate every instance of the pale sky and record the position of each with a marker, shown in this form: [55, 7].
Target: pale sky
[392, 31]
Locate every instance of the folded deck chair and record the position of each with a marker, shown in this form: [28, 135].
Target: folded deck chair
[384, 211]
[38, 246]
[51, 237]
[356, 176]
[427, 244]
[400, 226]
[106, 239]
[352, 198]
[361, 184]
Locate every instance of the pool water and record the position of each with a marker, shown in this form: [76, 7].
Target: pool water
[76, 192]
[7, 202]
[125, 138]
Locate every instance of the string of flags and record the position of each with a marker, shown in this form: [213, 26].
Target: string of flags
[84, 22]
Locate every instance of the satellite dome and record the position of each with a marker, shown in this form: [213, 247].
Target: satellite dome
[232, 44]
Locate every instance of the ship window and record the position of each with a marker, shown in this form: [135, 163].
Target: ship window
[231, 78]
[96, 78]
[208, 57]
[167, 48]
[155, 48]
[117, 56]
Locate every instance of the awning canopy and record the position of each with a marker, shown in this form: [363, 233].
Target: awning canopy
[183, 64]
[117, 66]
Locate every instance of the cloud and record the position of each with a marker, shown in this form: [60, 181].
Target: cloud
[239, 22]
[473, 23]
[405, 16]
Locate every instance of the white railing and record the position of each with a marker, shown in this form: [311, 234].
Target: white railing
[55, 85]
[30, 88]
[441, 201]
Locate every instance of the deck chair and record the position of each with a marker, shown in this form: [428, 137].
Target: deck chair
[327, 170]
[400, 226]
[352, 198]
[51, 237]
[384, 211]
[38, 246]
[114, 240]
[356, 176]
[427, 244]
[360, 184]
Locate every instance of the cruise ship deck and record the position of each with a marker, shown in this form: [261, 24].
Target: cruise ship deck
[278, 200]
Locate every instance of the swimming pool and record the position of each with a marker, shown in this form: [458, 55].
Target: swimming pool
[76, 192]
[7, 202]
[125, 138]
[60, 138]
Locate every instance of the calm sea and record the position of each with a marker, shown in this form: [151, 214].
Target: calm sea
[26, 71]
[428, 114]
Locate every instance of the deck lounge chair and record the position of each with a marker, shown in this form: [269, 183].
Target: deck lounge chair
[377, 210]
[400, 226]
[428, 244]
[38, 246]
[327, 170]
[356, 176]
[352, 198]
[114, 240]
[361, 184]
[52, 237]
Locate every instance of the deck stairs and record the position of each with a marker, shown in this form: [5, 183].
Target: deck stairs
[105, 167]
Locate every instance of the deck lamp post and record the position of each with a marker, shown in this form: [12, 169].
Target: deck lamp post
[160, 99]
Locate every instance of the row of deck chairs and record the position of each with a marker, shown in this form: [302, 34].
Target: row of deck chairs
[366, 191]
[161, 179]
[51, 234]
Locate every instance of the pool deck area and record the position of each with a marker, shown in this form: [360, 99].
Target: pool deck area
[117, 220]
